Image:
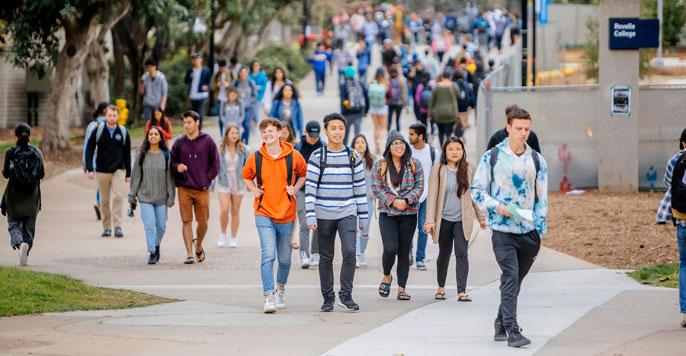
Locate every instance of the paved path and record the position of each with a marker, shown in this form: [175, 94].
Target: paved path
[567, 306]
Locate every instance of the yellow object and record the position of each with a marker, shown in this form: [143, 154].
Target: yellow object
[123, 111]
[471, 68]
[346, 104]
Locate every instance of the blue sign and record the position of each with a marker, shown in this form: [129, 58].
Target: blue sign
[634, 33]
[543, 12]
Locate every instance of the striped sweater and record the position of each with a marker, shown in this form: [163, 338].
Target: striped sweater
[341, 193]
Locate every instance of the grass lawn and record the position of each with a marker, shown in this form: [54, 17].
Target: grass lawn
[660, 275]
[28, 292]
[138, 132]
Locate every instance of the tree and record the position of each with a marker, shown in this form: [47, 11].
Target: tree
[673, 18]
[33, 26]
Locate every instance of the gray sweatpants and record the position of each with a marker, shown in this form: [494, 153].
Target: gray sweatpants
[304, 229]
[21, 230]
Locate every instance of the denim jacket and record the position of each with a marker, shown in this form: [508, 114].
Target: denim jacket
[222, 179]
[296, 115]
[515, 177]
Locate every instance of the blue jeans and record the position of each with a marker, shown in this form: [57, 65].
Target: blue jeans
[320, 78]
[219, 118]
[155, 222]
[274, 239]
[421, 235]
[246, 124]
[681, 240]
[363, 237]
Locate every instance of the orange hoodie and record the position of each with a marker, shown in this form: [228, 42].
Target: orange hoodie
[275, 203]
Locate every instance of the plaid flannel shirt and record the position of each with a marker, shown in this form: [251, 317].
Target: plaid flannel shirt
[410, 189]
[664, 211]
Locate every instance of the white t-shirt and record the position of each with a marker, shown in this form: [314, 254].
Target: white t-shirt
[424, 157]
[221, 95]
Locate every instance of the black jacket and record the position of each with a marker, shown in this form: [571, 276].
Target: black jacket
[344, 97]
[112, 153]
[500, 135]
[306, 149]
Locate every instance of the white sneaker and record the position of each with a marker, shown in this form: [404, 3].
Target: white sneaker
[23, 253]
[358, 261]
[270, 304]
[304, 260]
[222, 240]
[233, 243]
[363, 259]
[281, 299]
[315, 260]
[683, 321]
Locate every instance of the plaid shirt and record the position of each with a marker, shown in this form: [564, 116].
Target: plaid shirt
[664, 211]
[410, 189]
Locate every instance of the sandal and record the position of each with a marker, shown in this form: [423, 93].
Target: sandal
[189, 261]
[385, 288]
[201, 253]
[403, 296]
[464, 298]
[439, 296]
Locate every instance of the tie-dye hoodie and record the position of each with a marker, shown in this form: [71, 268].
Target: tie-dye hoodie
[514, 183]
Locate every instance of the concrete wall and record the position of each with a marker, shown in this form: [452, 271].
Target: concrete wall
[571, 20]
[560, 116]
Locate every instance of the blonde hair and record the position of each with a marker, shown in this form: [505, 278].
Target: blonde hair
[225, 139]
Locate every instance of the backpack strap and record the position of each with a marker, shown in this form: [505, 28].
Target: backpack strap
[322, 164]
[351, 159]
[258, 175]
[433, 155]
[101, 129]
[166, 160]
[493, 161]
[537, 164]
[98, 132]
[124, 134]
[289, 172]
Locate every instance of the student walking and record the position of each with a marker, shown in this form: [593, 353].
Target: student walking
[510, 183]
[113, 167]
[286, 107]
[502, 134]
[362, 147]
[219, 84]
[198, 79]
[153, 88]
[309, 143]
[274, 85]
[443, 106]
[260, 79]
[161, 122]
[21, 201]
[233, 111]
[450, 214]
[229, 183]
[341, 59]
[364, 55]
[398, 96]
[335, 199]
[354, 102]
[378, 94]
[397, 184]
[195, 163]
[247, 91]
[270, 175]
[99, 116]
[152, 185]
[426, 155]
[318, 60]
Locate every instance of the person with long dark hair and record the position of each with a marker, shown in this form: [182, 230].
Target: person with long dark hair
[161, 122]
[450, 214]
[397, 184]
[274, 85]
[361, 145]
[21, 201]
[286, 107]
[152, 185]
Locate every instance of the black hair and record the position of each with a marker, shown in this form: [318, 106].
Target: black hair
[491, 63]
[279, 95]
[150, 62]
[163, 123]
[22, 131]
[462, 166]
[682, 140]
[463, 60]
[191, 113]
[419, 129]
[334, 116]
[273, 78]
[100, 109]
[222, 63]
[252, 64]
[145, 147]
[234, 60]
[426, 78]
[367, 156]
[397, 177]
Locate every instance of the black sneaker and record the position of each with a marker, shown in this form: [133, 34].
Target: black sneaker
[152, 259]
[328, 304]
[106, 233]
[157, 254]
[348, 303]
[516, 339]
[118, 232]
[500, 332]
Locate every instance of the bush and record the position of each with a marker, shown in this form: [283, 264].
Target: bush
[174, 68]
[287, 57]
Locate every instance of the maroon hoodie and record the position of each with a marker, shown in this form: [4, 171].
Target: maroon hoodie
[200, 156]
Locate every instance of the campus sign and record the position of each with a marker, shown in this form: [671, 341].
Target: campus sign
[634, 33]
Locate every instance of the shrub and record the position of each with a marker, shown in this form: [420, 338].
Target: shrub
[174, 68]
[287, 57]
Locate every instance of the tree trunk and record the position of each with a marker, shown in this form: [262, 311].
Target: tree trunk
[119, 70]
[79, 33]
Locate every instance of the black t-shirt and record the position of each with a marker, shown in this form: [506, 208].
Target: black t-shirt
[501, 134]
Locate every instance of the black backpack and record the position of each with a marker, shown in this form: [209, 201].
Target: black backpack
[258, 173]
[464, 100]
[356, 99]
[322, 164]
[494, 160]
[678, 186]
[24, 175]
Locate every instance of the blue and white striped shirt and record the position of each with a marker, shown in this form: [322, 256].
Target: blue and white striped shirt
[341, 193]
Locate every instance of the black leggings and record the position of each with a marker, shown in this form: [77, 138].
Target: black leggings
[397, 110]
[451, 236]
[396, 235]
[445, 130]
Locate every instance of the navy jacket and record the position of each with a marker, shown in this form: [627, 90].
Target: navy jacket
[205, 79]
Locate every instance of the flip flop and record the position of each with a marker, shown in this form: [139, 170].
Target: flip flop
[189, 261]
[464, 298]
[201, 253]
[403, 296]
[385, 288]
[439, 296]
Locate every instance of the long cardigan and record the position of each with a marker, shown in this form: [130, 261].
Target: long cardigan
[436, 197]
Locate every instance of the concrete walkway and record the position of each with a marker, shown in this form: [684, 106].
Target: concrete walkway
[567, 305]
